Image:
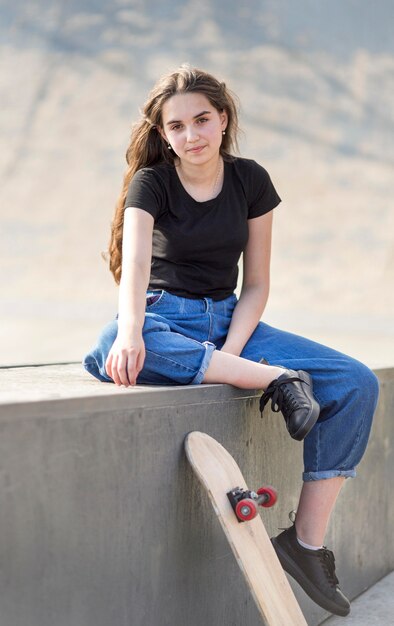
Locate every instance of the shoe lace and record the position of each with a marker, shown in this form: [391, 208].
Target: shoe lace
[281, 396]
[327, 559]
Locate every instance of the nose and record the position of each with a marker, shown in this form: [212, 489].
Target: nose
[191, 134]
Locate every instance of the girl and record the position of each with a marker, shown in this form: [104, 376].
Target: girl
[187, 211]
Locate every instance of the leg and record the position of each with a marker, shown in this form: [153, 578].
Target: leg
[234, 370]
[316, 503]
[174, 358]
[290, 392]
[171, 358]
[318, 497]
[347, 392]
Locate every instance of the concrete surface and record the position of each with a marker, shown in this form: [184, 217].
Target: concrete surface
[374, 607]
[315, 81]
[103, 522]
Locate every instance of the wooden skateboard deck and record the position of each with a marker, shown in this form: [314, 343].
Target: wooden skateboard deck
[249, 541]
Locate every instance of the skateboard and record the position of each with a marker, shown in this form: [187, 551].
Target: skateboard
[236, 507]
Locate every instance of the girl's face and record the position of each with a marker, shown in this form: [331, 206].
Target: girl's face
[193, 127]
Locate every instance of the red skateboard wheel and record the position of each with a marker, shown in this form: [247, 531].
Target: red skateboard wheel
[246, 509]
[271, 496]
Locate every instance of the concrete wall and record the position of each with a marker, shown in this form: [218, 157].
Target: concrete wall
[102, 521]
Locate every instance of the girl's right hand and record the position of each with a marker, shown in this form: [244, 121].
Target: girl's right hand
[126, 359]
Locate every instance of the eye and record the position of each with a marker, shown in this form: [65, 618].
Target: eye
[176, 126]
[202, 119]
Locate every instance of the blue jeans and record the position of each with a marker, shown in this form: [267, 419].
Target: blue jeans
[180, 335]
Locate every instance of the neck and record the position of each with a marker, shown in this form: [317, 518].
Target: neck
[202, 182]
[200, 174]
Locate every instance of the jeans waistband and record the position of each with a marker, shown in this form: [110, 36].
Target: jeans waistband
[194, 305]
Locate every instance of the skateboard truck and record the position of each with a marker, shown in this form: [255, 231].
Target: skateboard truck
[245, 502]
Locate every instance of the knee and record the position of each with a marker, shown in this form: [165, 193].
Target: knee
[364, 382]
[374, 386]
[94, 361]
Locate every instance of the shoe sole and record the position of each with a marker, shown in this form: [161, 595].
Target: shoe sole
[313, 414]
[313, 592]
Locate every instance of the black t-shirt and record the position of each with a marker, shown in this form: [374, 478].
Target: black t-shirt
[197, 245]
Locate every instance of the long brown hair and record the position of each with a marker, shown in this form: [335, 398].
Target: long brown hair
[147, 146]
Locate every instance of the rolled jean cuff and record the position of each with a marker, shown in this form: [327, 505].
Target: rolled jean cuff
[310, 476]
[209, 348]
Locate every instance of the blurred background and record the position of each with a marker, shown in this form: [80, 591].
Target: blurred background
[316, 86]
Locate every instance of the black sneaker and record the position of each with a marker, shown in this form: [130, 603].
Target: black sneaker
[314, 570]
[292, 393]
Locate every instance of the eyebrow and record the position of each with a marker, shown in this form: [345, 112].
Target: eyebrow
[195, 117]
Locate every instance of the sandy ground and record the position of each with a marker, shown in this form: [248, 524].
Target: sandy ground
[316, 100]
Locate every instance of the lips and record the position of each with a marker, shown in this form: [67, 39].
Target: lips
[196, 149]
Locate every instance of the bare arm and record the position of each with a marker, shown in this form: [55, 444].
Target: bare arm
[127, 354]
[255, 286]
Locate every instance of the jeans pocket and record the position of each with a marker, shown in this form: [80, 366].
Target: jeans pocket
[153, 298]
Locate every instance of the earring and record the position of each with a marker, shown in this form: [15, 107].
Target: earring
[169, 147]
[223, 132]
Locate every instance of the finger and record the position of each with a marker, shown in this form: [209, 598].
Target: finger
[108, 365]
[115, 374]
[140, 361]
[132, 369]
[122, 369]
[131, 372]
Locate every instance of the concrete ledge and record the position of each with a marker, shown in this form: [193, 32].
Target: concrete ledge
[103, 522]
[61, 390]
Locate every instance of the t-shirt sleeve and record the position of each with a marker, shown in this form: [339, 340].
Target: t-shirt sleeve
[146, 192]
[262, 195]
